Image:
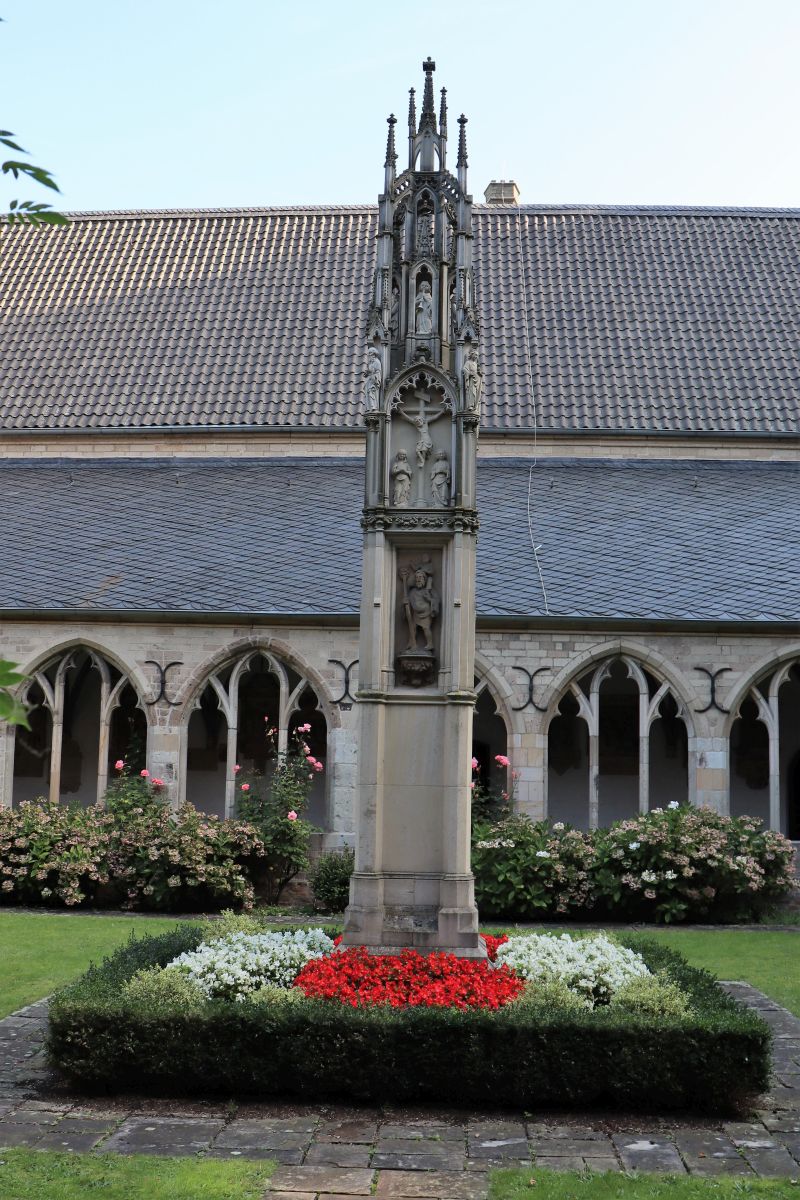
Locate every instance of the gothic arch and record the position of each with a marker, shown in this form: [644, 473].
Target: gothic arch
[190, 689]
[646, 698]
[59, 709]
[644, 656]
[763, 762]
[216, 689]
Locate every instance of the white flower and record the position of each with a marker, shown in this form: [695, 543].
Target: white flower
[542, 854]
[593, 967]
[233, 966]
[558, 825]
[673, 804]
[649, 877]
[670, 875]
[634, 845]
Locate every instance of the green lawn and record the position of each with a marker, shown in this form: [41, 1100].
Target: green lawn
[533, 1184]
[41, 1175]
[39, 953]
[769, 961]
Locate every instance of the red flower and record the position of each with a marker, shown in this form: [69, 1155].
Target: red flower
[409, 979]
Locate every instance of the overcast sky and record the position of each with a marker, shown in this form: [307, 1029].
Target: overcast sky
[239, 103]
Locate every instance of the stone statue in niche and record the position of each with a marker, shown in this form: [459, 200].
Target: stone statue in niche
[401, 480]
[394, 313]
[440, 479]
[423, 308]
[473, 381]
[422, 420]
[421, 604]
[373, 378]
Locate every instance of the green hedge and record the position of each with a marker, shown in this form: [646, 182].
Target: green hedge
[717, 1060]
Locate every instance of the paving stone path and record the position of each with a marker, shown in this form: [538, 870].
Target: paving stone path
[328, 1151]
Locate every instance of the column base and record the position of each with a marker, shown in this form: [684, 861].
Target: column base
[430, 913]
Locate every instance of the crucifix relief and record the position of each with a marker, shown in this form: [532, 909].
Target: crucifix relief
[422, 418]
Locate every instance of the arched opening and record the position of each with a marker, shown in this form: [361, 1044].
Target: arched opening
[85, 716]
[789, 757]
[568, 765]
[32, 750]
[243, 717]
[669, 756]
[749, 759]
[127, 739]
[618, 746]
[206, 754]
[489, 738]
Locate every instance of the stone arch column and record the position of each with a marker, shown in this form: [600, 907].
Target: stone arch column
[768, 713]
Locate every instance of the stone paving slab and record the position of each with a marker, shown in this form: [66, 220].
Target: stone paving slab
[335, 1151]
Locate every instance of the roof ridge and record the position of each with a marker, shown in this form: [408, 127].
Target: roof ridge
[267, 210]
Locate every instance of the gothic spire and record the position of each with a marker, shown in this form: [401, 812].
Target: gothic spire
[412, 112]
[391, 153]
[428, 118]
[443, 114]
[462, 141]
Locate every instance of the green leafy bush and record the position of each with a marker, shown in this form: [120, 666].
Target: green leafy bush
[158, 988]
[653, 995]
[716, 1058]
[330, 879]
[551, 995]
[135, 854]
[674, 864]
[531, 869]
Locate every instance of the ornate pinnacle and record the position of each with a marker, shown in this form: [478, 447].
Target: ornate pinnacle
[428, 118]
[391, 153]
[412, 112]
[462, 141]
[443, 114]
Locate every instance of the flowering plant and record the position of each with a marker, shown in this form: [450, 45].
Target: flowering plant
[492, 801]
[531, 868]
[234, 966]
[683, 861]
[409, 979]
[593, 967]
[274, 804]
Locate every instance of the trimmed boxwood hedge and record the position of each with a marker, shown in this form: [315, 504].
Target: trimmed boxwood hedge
[716, 1060]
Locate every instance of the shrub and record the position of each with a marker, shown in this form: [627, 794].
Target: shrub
[531, 869]
[274, 805]
[592, 967]
[551, 995]
[681, 862]
[241, 963]
[670, 864]
[651, 995]
[330, 879]
[714, 1059]
[160, 988]
[134, 855]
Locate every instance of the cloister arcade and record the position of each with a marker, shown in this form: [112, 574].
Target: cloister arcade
[619, 737]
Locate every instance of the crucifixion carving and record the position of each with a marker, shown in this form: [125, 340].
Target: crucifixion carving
[422, 419]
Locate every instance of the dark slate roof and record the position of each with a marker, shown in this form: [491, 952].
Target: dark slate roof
[709, 541]
[656, 320]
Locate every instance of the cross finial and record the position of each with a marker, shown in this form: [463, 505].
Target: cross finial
[429, 65]
[428, 117]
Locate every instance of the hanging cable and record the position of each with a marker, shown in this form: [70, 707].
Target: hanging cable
[524, 275]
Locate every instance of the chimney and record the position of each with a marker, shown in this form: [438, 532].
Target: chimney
[502, 191]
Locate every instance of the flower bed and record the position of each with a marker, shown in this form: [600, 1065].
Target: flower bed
[624, 1023]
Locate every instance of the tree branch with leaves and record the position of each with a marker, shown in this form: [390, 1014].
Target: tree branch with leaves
[28, 212]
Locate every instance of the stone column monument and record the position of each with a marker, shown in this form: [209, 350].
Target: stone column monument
[412, 884]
